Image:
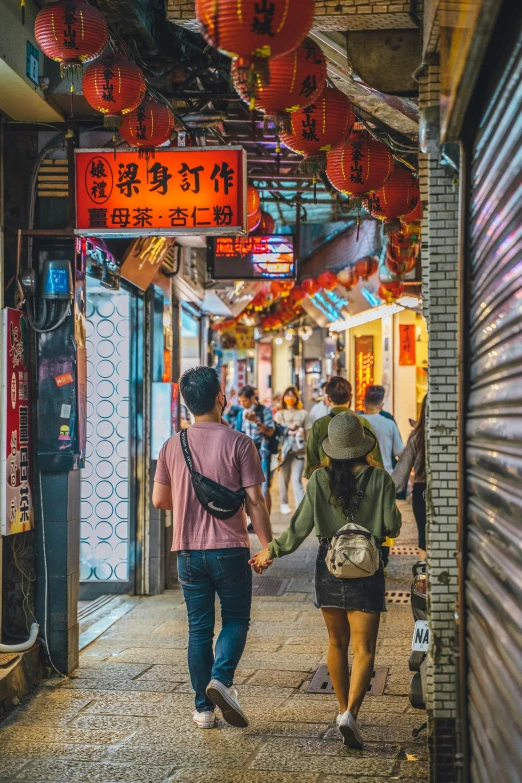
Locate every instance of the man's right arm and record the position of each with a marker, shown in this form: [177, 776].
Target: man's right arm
[162, 496]
[258, 513]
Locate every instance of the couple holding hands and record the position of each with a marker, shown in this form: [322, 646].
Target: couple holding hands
[214, 557]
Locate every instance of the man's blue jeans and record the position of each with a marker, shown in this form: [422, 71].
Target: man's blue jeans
[203, 573]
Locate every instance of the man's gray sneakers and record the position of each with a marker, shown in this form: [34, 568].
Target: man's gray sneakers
[227, 701]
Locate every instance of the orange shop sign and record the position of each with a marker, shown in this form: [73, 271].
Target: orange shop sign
[184, 190]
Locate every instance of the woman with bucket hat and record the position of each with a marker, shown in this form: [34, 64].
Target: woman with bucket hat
[350, 505]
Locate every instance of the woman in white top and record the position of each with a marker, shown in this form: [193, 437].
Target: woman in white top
[295, 423]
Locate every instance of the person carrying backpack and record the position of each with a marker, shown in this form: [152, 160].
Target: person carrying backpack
[256, 421]
[350, 505]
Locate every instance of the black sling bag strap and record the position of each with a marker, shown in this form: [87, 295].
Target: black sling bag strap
[219, 501]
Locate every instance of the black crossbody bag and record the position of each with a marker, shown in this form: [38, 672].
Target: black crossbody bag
[219, 501]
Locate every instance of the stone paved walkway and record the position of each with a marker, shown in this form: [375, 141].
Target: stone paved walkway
[125, 715]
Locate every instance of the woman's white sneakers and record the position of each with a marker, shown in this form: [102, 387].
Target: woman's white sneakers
[285, 508]
[227, 701]
[204, 720]
[350, 730]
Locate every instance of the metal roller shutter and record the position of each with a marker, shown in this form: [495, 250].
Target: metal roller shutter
[493, 585]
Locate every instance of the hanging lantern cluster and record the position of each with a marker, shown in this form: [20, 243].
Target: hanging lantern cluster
[391, 290]
[294, 80]
[318, 127]
[72, 33]
[252, 29]
[148, 126]
[398, 197]
[115, 87]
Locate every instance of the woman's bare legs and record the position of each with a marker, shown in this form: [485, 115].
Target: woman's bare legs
[364, 627]
[339, 636]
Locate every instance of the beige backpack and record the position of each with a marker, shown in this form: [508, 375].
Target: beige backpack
[353, 551]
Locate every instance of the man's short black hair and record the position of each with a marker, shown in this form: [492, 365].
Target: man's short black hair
[199, 387]
[374, 395]
[324, 385]
[247, 391]
[339, 390]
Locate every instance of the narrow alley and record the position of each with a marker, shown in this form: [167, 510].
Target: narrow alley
[125, 715]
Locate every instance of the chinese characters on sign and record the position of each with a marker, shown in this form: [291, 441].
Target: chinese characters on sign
[407, 345]
[364, 361]
[179, 191]
[17, 506]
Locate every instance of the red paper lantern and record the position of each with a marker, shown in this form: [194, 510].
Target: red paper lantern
[415, 214]
[71, 32]
[294, 80]
[254, 28]
[310, 286]
[359, 165]
[396, 198]
[281, 287]
[113, 86]
[348, 277]
[297, 294]
[366, 267]
[402, 265]
[253, 200]
[320, 126]
[267, 224]
[391, 291]
[150, 125]
[253, 220]
[327, 280]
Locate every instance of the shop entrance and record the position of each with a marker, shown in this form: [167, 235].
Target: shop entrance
[107, 556]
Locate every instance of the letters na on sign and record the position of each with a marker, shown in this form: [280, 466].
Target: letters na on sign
[184, 190]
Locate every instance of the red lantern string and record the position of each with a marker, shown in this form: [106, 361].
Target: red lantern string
[398, 196]
[348, 277]
[367, 267]
[327, 280]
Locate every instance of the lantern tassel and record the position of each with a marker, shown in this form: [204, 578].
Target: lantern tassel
[72, 99]
[314, 182]
[22, 6]
[278, 155]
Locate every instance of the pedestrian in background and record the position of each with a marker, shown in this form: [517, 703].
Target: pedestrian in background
[351, 607]
[338, 395]
[256, 421]
[294, 424]
[385, 429]
[213, 554]
[321, 407]
[414, 457]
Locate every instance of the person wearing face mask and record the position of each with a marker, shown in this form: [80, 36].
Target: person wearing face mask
[213, 553]
[295, 424]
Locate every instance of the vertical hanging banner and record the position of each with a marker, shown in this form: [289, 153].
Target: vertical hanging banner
[407, 356]
[364, 361]
[179, 191]
[16, 468]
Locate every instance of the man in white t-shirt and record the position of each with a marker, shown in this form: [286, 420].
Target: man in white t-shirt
[385, 429]
[321, 408]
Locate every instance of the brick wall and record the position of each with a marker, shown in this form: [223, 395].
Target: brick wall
[329, 14]
[440, 294]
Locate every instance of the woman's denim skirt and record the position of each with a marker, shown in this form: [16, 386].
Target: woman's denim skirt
[353, 595]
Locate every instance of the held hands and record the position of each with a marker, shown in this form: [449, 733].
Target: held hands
[261, 561]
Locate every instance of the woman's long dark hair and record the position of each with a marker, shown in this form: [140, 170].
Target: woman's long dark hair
[342, 482]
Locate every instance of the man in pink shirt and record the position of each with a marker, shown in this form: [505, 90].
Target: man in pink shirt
[213, 554]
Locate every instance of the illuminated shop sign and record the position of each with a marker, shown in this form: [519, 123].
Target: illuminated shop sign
[251, 258]
[180, 191]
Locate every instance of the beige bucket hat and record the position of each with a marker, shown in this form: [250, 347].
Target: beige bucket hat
[347, 438]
